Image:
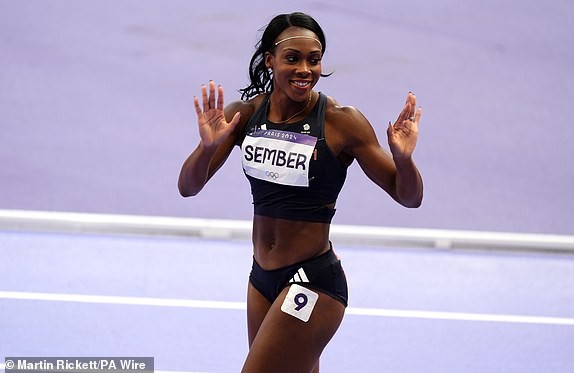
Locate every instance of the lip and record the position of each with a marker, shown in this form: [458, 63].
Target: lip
[296, 84]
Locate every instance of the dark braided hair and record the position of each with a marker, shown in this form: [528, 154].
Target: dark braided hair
[261, 81]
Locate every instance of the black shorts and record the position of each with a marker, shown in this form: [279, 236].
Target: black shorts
[323, 273]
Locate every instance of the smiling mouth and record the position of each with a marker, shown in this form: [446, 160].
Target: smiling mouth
[300, 83]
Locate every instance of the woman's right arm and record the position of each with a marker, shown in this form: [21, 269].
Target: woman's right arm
[218, 131]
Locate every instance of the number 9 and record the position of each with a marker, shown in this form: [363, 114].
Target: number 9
[301, 301]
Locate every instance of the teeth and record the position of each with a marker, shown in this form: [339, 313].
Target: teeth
[302, 84]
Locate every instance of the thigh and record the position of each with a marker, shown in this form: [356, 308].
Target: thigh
[257, 308]
[284, 343]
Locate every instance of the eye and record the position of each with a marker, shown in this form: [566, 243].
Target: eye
[291, 58]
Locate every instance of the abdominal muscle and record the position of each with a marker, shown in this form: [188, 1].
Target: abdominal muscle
[279, 243]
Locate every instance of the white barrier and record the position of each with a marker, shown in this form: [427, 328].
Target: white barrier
[48, 221]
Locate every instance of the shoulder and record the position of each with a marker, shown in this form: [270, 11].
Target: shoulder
[247, 108]
[347, 121]
[344, 115]
[349, 133]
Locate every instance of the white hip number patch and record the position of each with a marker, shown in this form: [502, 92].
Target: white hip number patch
[299, 302]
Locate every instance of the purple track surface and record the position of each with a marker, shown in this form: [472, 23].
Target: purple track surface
[213, 339]
[96, 110]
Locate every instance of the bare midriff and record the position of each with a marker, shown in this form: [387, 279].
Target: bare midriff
[279, 243]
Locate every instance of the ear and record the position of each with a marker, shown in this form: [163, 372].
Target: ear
[269, 60]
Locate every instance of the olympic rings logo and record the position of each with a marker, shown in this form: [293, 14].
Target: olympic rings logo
[272, 175]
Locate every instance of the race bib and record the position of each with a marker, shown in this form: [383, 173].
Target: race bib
[299, 302]
[280, 157]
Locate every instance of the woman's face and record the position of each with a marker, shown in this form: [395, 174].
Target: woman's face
[296, 63]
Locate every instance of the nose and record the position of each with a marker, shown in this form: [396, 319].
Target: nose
[303, 68]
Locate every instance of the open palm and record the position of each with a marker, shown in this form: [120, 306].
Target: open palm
[403, 134]
[213, 127]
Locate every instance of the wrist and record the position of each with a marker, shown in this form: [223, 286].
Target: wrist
[206, 149]
[403, 160]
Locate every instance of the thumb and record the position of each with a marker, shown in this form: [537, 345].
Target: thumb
[390, 128]
[236, 118]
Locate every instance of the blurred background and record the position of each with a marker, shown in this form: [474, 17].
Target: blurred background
[96, 104]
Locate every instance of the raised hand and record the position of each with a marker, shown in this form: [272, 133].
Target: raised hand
[403, 134]
[213, 127]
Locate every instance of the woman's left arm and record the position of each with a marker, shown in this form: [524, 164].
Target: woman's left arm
[396, 173]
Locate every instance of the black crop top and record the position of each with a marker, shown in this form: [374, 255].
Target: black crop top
[292, 172]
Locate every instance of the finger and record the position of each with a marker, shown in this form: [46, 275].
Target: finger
[211, 94]
[197, 107]
[412, 101]
[404, 115]
[418, 115]
[412, 104]
[235, 120]
[409, 108]
[204, 98]
[391, 129]
[220, 98]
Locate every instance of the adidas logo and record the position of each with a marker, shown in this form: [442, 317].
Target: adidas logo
[300, 276]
